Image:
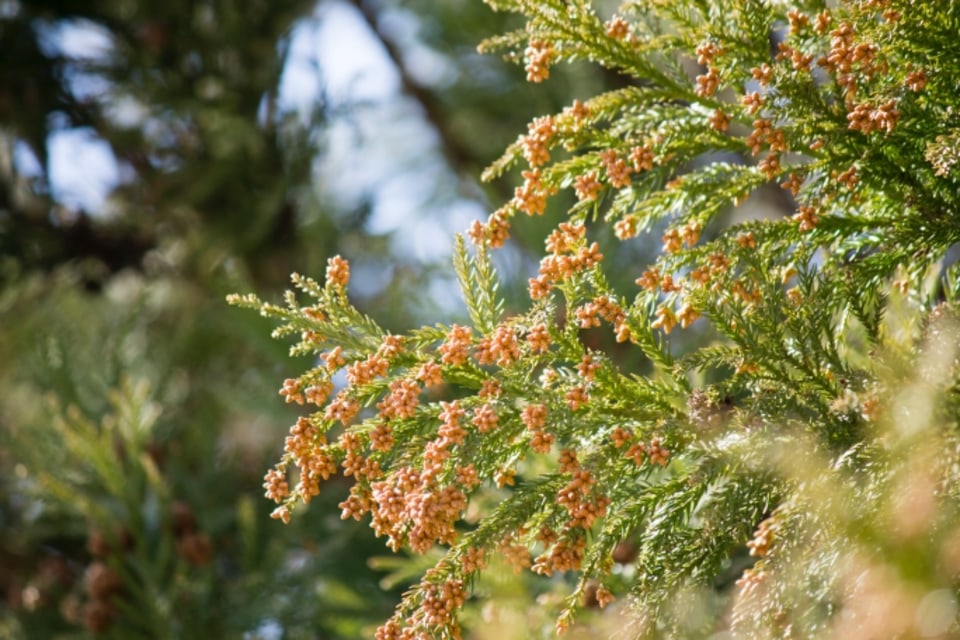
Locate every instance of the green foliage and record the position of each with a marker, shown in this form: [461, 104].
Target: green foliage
[479, 285]
[803, 448]
[129, 498]
[173, 90]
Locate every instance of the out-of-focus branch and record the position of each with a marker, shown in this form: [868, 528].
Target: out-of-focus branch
[460, 157]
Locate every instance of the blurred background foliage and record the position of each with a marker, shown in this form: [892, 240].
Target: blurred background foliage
[155, 155]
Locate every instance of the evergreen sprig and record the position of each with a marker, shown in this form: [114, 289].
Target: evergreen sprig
[774, 456]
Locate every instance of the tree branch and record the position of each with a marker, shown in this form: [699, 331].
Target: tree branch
[459, 156]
